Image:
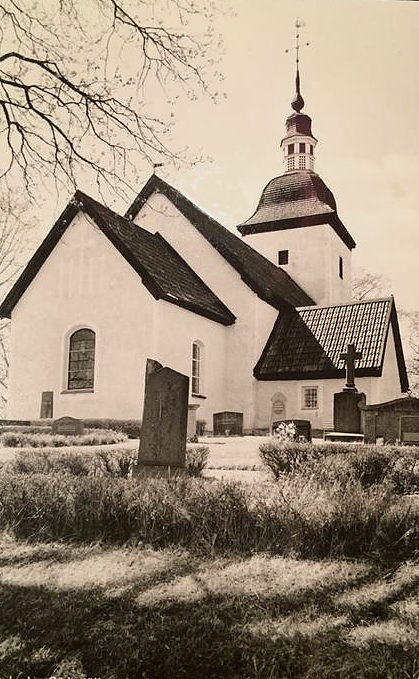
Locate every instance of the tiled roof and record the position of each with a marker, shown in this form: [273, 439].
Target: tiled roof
[165, 274]
[307, 343]
[270, 283]
[293, 200]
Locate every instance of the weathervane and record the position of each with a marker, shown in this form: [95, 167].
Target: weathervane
[298, 24]
[298, 102]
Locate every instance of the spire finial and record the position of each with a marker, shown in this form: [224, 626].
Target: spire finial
[298, 102]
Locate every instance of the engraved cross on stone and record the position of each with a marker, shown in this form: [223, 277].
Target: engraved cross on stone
[350, 357]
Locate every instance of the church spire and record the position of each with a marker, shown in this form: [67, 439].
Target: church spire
[299, 143]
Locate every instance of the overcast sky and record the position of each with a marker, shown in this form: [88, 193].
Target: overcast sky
[359, 81]
[360, 85]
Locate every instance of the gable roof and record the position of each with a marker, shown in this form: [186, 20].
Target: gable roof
[306, 343]
[271, 283]
[293, 200]
[165, 274]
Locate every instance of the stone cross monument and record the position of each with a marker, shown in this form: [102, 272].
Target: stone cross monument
[346, 411]
[350, 357]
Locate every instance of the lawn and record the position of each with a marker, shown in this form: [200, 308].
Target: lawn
[135, 612]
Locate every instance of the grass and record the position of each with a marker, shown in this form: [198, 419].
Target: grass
[135, 612]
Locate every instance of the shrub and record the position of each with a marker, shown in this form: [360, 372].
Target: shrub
[115, 462]
[90, 438]
[285, 457]
[196, 459]
[132, 428]
[339, 462]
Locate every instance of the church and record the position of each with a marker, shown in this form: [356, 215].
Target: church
[258, 320]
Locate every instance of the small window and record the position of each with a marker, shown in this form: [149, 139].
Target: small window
[302, 147]
[311, 149]
[310, 398]
[283, 257]
[302, 163]
[290, 149]
[340, 267]
[81, 360]
[291, 163]
[197, 367]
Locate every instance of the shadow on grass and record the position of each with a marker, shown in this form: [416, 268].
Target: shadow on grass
[173, 616]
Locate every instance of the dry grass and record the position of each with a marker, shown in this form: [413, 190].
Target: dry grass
[80, 611]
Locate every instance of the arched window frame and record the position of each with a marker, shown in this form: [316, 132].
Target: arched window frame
[197, 368]
[79, 353]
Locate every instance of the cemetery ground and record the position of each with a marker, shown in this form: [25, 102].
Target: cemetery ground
[227, 580]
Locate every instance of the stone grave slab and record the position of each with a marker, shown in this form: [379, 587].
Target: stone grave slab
[68, 426]
[165, 418]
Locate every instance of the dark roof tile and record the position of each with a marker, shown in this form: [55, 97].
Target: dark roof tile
[268, 281]
[307, 343]
[165, 274]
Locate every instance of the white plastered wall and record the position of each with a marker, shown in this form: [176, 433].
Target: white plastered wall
[376, 389]
[247, 337]
[313, 263]
[85, 282]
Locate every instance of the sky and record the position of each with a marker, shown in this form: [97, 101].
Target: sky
[360, 86]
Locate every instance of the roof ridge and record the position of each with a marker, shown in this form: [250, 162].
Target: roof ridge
[388, 298]
[229, 247]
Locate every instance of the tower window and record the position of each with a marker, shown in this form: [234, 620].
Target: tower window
[311, 149]
[302, 147]
[291, 163]
[340, 267]
[290, 149]
[302, 163]
[283, 257]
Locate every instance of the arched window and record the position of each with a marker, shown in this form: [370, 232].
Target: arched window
[197, 367]
[81, 360]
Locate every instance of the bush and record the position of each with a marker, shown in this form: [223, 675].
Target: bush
[332, 462]
[132, 428]
[196, 459]
[89, 438]
[114, 462]
[286, 457]
[298, 516]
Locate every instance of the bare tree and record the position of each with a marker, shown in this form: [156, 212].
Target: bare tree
[366, 285]
[78, 77]
[16, 231]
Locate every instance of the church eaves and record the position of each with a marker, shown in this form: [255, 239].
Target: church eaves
[307, 343]
[271, 283]
[164, 273]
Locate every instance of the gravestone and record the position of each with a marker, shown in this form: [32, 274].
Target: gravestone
[165, 418]
[303, 427]
[227, 423]
[47, 400]
[346, 404]
[68, 426]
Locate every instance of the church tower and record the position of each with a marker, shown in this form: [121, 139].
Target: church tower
[296, 224]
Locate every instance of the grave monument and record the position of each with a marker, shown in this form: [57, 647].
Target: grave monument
[165, 416]
[346, 403]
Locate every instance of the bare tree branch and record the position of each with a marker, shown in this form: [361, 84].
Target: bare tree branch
[75, 83]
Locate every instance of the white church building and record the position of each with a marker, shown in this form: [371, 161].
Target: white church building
[257, 320]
